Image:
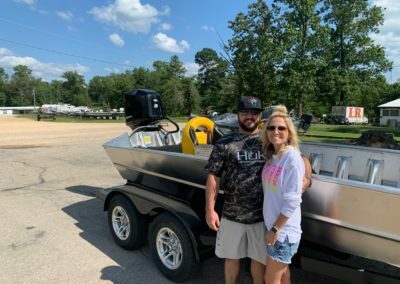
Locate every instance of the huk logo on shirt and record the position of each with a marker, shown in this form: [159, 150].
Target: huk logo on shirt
[244, 156]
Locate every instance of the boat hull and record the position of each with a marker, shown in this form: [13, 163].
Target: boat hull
[346, 215]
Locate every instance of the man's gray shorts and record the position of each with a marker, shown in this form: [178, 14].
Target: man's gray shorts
[236, 240]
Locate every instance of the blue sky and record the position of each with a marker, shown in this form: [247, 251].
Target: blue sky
[102, 36]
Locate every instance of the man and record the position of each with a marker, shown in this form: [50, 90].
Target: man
[240, 232]
[241, 229]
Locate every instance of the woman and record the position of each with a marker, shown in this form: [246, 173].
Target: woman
[282, 179]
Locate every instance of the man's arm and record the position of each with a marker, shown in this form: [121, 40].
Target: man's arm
[212, 188]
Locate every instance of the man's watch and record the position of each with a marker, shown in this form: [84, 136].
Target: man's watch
[274, 229]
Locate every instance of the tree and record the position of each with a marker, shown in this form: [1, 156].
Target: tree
[212, 71]
[74, 89]
[21, 86]
[191, 98]
[304, 40]
[172, 97]
[43, 93]
[56, 91]
[175, 67]
[168, 80]
[141, 78]
[3, 85]
[256, 51]
[352, 51]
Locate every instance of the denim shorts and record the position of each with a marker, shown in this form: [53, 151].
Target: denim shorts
[283, 251]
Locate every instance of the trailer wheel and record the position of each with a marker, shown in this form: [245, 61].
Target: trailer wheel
[172, 249]
[128, 227]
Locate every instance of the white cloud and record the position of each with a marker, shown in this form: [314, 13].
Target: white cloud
[207, 28]
[116, 39]
[112, 70]
[128, 15]
[65, 15]
[127, 62]
[191, 68]
[29, 2]
[5, 52]
[72, 29]
[389, 36]
[163, 42]
[165, 27]
[46, 71]
[165, 11]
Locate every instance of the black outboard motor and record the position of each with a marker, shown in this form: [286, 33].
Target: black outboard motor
[142, 107]
[305, 122]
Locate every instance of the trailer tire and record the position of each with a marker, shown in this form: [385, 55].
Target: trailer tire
[128, 227]
[172, 249]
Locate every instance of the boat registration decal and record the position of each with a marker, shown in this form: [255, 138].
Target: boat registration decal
[147, 140]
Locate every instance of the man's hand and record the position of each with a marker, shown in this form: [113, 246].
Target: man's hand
[212, 187]
[212, 220]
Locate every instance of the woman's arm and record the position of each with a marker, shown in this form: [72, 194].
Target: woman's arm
[307, 181]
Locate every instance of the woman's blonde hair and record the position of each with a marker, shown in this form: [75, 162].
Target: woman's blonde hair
[268, 148]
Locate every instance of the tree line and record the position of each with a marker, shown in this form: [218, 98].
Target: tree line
[307, 54]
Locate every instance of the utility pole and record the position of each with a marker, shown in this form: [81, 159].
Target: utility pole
[34, 99]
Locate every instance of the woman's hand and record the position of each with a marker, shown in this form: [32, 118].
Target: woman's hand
[270, 238]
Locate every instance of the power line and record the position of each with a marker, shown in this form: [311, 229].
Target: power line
[65, 54]
[50, 33]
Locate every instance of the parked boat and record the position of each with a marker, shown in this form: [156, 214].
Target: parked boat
[353, 205]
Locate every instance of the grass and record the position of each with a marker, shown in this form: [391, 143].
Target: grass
[342, 133]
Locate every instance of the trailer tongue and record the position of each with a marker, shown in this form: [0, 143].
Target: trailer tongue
[352, 207]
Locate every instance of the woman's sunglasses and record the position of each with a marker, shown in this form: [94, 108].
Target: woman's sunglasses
[250, 111]
[273, 127]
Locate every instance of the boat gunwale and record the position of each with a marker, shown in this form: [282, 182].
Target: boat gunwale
[358, 147]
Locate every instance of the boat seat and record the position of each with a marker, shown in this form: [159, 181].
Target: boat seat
[198, 134]
[373, 173]
[342, 167]
[154, 138]
[315, 160]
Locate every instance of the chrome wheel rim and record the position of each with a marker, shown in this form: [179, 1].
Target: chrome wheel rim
[169, 248]
[120, 223]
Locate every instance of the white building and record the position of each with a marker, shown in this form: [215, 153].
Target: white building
[17, 110]
[390, 113]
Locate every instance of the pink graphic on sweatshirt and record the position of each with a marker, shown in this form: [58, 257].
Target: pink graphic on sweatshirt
[270, 176]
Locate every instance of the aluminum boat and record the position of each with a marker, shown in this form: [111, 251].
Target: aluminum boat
[353, 205]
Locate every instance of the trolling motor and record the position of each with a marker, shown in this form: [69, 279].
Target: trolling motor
[143, 112]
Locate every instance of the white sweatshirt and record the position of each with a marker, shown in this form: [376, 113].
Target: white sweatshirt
[282, 180]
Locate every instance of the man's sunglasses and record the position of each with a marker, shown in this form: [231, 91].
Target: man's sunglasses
[273, 127]
[250, 111]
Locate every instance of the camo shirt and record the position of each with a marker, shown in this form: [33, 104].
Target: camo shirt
[239, 160]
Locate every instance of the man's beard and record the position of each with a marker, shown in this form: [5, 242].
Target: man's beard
[245, 127]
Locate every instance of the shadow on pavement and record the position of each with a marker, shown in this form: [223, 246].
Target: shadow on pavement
[131, 266]
[137, 266]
